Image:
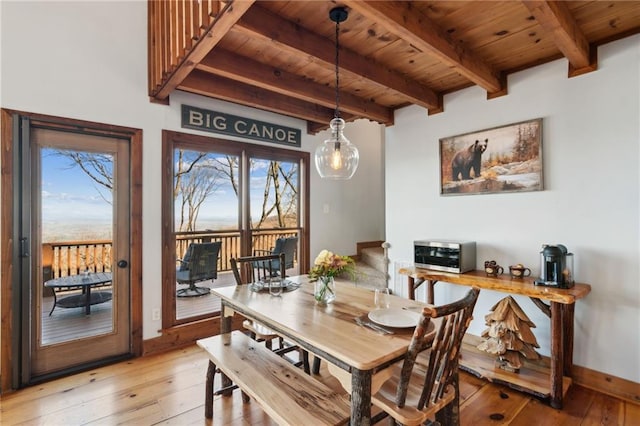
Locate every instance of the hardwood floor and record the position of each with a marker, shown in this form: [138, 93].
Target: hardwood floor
[168, 388]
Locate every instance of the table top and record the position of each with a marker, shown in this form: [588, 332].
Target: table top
[502, 283]
[331, 329]
[80, 280]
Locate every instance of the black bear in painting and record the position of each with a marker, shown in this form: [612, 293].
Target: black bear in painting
[467, 159]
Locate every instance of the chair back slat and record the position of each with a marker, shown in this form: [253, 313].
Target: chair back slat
[443, 351]
[249, 269]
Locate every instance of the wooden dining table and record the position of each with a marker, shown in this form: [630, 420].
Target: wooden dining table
[329, 332]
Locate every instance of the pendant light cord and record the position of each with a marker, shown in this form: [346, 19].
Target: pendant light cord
[336, 114]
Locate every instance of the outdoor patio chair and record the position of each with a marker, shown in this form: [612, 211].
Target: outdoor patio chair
[200, 263]
[288, 246]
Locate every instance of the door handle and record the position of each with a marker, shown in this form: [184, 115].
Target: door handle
[24, 247]
[122, 263]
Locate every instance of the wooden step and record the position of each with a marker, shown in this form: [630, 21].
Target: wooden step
[374, 257]
[369, 277]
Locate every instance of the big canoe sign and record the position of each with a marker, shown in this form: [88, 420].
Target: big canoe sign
[218, 122]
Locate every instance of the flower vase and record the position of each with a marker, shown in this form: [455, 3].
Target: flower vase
[324, 290]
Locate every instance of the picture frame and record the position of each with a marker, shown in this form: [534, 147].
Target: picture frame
[500, 159]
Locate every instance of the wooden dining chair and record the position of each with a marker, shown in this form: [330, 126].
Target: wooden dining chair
[256, 269]
[424, 385]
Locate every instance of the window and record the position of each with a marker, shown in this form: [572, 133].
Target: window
[239, 196]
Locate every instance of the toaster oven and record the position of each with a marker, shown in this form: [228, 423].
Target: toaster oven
[448, 256]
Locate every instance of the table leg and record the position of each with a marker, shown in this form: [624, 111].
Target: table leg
[411, 291]
[567, 337]
[430, 291]
[412, 285]
[225, 327]
[361, 397]
[87, 301]
[557, 356]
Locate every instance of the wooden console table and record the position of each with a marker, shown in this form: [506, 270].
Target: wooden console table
[560, 310]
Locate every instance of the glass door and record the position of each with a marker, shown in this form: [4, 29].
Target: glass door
[79, 210]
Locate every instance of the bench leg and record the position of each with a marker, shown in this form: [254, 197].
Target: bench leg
[305, 361]
[316, 365]
[208, 391]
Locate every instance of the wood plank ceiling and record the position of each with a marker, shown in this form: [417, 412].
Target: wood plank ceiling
[280, 55]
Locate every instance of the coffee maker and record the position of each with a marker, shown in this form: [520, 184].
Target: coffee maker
[556, 266]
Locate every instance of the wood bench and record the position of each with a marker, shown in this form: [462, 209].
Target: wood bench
[284, 392]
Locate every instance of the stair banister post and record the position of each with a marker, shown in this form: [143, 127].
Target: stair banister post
[385, 247]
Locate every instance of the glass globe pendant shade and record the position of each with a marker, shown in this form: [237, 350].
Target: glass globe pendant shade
[337, 158]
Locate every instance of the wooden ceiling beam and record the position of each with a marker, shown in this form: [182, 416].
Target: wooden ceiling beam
[227, 64]
[226, 19]
[259, 22]
[213, 86]
[556, 18]
[407, 22]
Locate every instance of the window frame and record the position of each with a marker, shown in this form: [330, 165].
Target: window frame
[172, 140]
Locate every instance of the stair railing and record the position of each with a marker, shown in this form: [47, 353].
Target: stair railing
[385, 259]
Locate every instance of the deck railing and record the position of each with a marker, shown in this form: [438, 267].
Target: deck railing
[263, 239]
[61, 259]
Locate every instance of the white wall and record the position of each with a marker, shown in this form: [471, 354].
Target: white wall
[591, 138]
[87, 60]
[356, 206]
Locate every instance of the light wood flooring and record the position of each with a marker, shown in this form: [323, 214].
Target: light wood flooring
[168, 388]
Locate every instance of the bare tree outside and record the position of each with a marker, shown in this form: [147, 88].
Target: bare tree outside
[228, 167]
[98, 166]
[280, 196]
[197, 177]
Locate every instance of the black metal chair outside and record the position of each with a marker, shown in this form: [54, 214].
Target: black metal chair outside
[200, 263]
[288, 247]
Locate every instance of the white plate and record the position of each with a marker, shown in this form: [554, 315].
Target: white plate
[395, 317]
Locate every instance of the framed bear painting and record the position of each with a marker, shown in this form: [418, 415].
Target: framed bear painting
[501, 159]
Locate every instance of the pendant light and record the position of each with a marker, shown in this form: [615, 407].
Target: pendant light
[337, 158]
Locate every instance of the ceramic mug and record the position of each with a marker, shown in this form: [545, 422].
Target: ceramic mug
[519, 271]
[493, 270]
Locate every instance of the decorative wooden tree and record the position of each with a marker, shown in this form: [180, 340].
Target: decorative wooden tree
[509, 335]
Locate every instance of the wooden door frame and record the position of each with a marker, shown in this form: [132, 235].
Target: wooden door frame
[8, 328]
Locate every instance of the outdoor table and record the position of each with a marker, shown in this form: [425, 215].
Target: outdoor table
[327, 331]
[85, 282]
